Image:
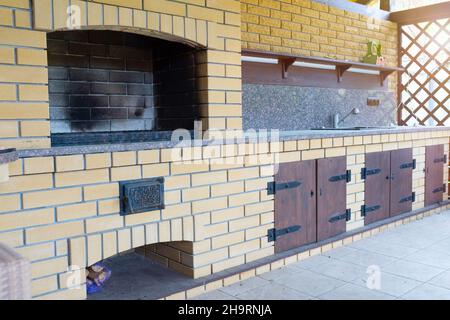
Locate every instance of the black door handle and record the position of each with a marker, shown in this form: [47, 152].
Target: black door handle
[312, 193]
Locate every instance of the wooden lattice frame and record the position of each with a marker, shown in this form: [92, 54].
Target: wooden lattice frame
[424, 53]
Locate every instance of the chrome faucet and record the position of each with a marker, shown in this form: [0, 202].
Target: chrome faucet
[337, 118]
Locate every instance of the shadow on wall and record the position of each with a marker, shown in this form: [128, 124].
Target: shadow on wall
[299, 108]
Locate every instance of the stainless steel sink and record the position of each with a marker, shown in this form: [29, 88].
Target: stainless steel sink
[355, 128]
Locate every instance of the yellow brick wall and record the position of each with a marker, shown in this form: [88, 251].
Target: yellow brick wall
[314, 29]
[212, 25]
[293, 26]
[64, 210]
[23, 79]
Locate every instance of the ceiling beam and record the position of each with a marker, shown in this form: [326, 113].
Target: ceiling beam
[421, 14]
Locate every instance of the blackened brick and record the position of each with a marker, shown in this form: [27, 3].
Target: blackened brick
[87, 49]
[129, 52]
[57, 46]
[126, 77]
[66, 60]
[108, 88]
[59, 100]
[106, 37]
[88, 75]
[140, 89]
[149, 102]
[57, 73]
[77, 88]
[127, 101]
[148, 77]
[107, 63]
[70, 113]
[139, 65]
[57, 87]
[90, 126]
[141, 113]
[89, 101]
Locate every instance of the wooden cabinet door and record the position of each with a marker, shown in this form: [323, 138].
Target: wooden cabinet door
[434, 174]
[377, 186]
[296, 206]
[401, 181]
[331, 197]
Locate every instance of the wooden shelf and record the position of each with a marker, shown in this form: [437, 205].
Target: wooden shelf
[341, 66]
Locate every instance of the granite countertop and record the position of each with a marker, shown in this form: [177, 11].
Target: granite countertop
[283, 136]
[8, 155]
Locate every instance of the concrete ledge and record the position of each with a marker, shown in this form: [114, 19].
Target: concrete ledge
[8, 155]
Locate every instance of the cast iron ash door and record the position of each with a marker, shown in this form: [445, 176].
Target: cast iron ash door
[434, 174]
[332, 212]
[402, 166]
[377, 186]
[295, 205]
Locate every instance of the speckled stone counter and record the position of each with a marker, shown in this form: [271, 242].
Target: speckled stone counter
[8, 155]
[300, 108]
[283, 136]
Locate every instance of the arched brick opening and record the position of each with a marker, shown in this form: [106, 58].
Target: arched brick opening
[119, 85]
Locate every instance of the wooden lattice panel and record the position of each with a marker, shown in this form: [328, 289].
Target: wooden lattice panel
[424, 86]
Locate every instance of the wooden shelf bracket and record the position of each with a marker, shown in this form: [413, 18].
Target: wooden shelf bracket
[286, 63]
[384, 75]
[340, 69]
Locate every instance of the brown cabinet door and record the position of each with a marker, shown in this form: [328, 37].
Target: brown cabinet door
[377, 186]
[401, 181]
[331, 197]
[434, 174]
[296, 206]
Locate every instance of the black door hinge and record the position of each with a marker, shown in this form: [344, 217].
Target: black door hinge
[443, 159]
[411, 198]
[273, 187]
[369, 172]
[409, 165]
[440, 189]
[273, 234]
[347, 216]
[347, 177]
[365, 209]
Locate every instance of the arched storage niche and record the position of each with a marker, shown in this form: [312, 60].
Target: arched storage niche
[147, 272]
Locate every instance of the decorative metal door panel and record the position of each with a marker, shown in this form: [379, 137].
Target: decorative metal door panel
[139, 196]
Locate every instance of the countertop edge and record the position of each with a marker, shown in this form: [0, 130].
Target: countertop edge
[8, 155]
[283, 136]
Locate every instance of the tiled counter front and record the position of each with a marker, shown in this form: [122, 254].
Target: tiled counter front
[64, 210]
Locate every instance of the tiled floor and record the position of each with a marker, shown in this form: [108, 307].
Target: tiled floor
[408, 262]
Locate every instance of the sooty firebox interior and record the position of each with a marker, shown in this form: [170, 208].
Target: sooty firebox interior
[109, 86]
